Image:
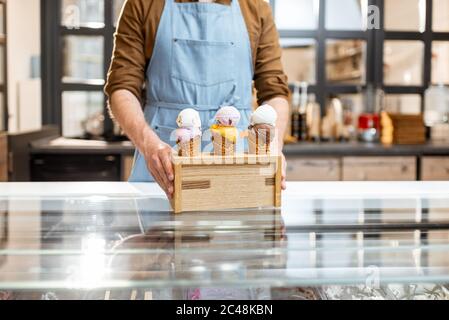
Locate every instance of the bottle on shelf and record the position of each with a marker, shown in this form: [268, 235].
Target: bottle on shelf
[313, 116]
[299, 115]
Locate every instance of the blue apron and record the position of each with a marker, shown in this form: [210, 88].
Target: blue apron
[202, 59]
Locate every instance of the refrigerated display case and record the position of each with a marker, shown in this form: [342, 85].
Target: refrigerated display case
[328, 241]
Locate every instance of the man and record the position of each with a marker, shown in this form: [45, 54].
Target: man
[191, 54]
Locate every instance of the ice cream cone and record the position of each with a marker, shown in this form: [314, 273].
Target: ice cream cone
[262, 131]
[223, 146]
[190, 148]
[259, 143]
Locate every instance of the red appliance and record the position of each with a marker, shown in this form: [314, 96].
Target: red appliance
[369, 127]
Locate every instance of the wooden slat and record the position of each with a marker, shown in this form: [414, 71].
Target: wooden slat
[195, 185]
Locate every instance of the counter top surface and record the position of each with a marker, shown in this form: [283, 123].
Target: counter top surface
[294, 189]
[119, 240]
[67, 146]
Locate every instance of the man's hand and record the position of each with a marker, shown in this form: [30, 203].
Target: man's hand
[158, 156]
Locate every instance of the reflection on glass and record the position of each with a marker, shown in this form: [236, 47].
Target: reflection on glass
[405, 15]
[77, 107]
[118, 4]
[82, 13]
[298, 59]
[403, 103]
[346, 14]
[403, 62]
[83, 59]
[345, 61]
[440, 62]
[97, 238]
[296, 14]
[441, 15]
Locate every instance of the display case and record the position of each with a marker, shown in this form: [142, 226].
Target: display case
[120, 241]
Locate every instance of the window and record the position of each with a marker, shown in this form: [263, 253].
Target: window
[404, 56]
[78, 40]
[332, 52]
[3, 64]
[327, 43]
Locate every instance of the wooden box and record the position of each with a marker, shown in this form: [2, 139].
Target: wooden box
[212, 182]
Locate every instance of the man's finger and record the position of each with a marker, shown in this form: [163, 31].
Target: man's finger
[160, 169]
[159, 180]
[168, 165]
[157, 177]
[168, 170]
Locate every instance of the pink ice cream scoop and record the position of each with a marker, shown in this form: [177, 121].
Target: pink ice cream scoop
[187, 134]
[228, 116]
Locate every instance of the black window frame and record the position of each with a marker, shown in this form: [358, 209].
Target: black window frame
[321, 88]
[375, 53]
[52, 32]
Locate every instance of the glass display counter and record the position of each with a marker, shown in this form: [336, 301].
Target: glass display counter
[328, 241]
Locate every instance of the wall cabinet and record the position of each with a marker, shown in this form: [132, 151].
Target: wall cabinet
[313, 169]
[379, 169]
[435, 169]
[360, 169]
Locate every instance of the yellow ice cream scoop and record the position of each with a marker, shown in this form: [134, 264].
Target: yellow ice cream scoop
[229, 133]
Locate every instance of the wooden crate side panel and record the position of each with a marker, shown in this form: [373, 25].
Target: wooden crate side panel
[176, 202]
[226, 187]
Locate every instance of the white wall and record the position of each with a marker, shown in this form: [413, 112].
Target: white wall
[23, 43]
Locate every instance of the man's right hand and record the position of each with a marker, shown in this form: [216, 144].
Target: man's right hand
[159, 158]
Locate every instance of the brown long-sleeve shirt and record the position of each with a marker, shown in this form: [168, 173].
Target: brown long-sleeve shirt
[136, 35]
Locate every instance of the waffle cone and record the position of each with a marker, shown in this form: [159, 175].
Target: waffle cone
[223, 146]
[191, 148]
[259, 144]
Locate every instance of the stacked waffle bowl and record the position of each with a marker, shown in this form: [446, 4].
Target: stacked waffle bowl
[402, 129]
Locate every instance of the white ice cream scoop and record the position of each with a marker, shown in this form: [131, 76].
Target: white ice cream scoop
[189, 118]
[228, 116]
[265, 114]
